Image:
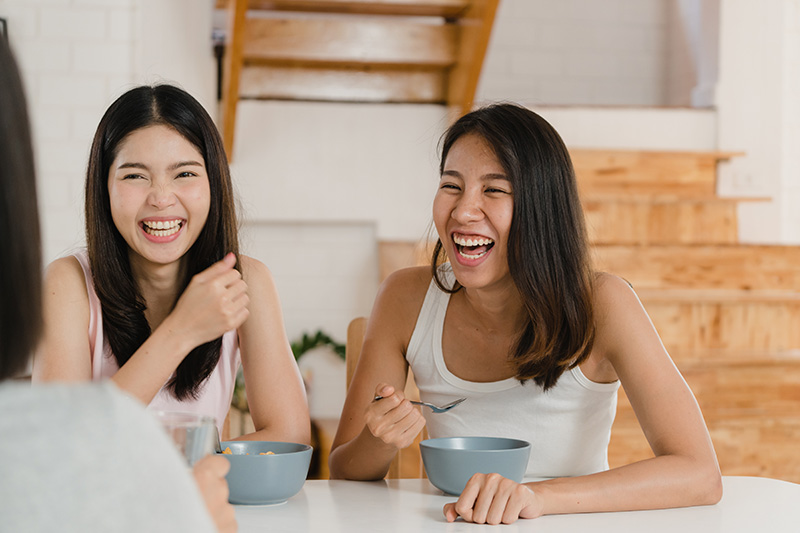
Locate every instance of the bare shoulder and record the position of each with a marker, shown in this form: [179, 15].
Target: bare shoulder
[623, 327]
[612, 292]
[398, 304]
[64, 274]
[406, 288]
[254, 272]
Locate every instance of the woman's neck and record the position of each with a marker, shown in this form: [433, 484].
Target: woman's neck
[498, 309]
[159, 285]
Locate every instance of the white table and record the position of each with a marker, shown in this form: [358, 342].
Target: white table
[749, 505]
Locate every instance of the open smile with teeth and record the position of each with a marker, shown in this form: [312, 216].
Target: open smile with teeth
[472, 247]
[162, 228]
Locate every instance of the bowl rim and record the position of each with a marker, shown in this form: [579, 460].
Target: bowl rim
[518, 444]
[304, 448]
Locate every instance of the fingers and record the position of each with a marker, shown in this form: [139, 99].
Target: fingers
[209, 473]
[393, 419]
[383, 390]
[212, 465]
[450, 513]
[492, 499]
[220, 267]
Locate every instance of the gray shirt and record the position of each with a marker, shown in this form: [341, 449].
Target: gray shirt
[82, 458]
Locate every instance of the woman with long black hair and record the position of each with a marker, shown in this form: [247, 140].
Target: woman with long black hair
[518, 323]
[160, 301]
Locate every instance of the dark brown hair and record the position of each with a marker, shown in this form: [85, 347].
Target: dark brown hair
[548, 254]
[21, 263]
[123, 307]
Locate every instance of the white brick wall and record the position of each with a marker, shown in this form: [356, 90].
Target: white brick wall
[71, 66]
[578, 52]
[77, 56]
[326, 273]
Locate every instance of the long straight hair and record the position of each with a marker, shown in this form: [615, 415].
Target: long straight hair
[21, 261]
[548, 255]
[124, 322]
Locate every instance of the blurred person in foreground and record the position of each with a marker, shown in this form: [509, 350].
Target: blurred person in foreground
[79, 457]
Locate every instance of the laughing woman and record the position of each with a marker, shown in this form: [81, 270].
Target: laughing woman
[519, 324]
[160, 301]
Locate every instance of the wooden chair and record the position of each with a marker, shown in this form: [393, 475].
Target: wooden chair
[408, 463]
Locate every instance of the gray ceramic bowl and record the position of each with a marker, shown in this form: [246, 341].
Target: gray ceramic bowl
[266, 479]
[450, 462]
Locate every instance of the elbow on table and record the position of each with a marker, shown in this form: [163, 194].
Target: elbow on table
[709, 486]
[340, 469]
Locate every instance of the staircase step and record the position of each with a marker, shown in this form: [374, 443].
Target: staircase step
[752, 410]
[645, 221]
[346, 42]
[724, 319]
[409, 8]
[392, 51]
[696, 267]
[343, 84]
[647, 173]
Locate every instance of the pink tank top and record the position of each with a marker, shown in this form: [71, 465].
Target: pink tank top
[215, 394]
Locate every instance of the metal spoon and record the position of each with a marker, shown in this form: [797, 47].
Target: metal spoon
[217, 445]
[434, 408]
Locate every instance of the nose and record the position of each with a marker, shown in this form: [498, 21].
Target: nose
[468, 208]
[161, 196]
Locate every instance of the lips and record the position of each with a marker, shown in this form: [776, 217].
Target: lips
[472, 247]
[162, 228]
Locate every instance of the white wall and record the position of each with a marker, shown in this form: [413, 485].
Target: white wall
[790, 132]
[326, 272]
[339, 162]
[76, 57]
[578, 52]
[375, 164]
[758, 113]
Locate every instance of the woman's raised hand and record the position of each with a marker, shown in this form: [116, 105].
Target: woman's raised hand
[393, 419]
[494, 499]
[215, 301]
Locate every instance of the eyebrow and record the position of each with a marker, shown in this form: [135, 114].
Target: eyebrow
[485, 177]
[174, 166]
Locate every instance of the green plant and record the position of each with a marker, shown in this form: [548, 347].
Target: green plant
[308, 342]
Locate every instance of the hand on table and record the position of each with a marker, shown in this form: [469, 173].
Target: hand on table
[209, 474]
[215, 301]
[494, 499]
[393, 419]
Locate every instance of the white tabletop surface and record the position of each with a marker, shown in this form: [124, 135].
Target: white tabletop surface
[749, 505]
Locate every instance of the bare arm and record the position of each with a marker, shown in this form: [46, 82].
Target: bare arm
[684, 471]
[371, 433]
[214, 302]
[275, 392]
[63, 353]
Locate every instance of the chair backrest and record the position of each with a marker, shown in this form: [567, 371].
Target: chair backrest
[408, 463]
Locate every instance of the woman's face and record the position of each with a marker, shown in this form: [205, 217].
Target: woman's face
[472, 212]
[159, 193]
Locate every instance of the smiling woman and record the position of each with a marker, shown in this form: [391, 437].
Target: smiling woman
[159, 194]
[170, 307]
[519, 324]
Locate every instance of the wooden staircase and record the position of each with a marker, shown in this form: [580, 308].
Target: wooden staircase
[412, 51]
[728, 313]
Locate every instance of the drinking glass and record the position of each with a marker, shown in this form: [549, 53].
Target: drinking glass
[193, 434]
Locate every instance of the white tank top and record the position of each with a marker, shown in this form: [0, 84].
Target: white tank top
[569, 426]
